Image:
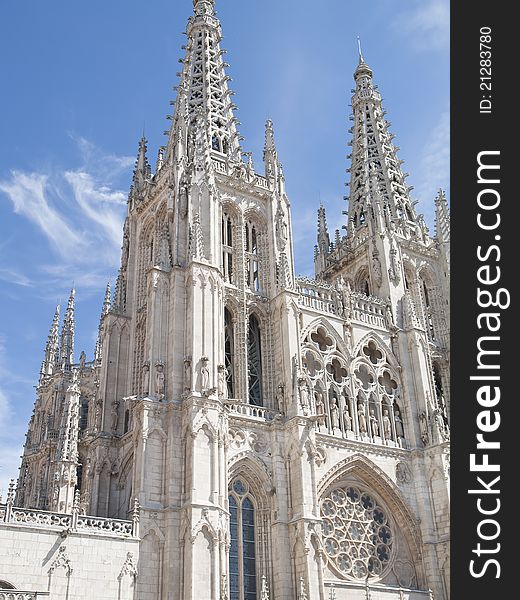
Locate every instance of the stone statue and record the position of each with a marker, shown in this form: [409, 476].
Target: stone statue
[99, 408]
[304, 396]
[362, 418]
[334, 414]
[114, 415]
[146, 378]
[204, 373]
[347, 419]
[82, 360]
[320, 408]
[423, 424]
[374, 425]
[187, 373]
[280, 397]
[387, 425]
[222, 382]
[376, 269]
[399, 429]
[159, 380]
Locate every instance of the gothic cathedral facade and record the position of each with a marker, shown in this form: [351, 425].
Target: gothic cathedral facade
[285, 437]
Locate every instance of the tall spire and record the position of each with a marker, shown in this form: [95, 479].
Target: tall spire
[204, 83]
[104, 311]
[272, 166]
[142, 171]
[375, 172]
[442, 218]
[52, 346]
[323, 232]
[67, 334]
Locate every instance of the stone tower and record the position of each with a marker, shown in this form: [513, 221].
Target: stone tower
[285, 437]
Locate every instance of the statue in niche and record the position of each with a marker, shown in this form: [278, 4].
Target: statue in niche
[362, 418]
[183, 201]
[99, 414]
[438, 420]
[387, 425]
[146, 378]
[374, 425]
[389, 317]
[222, 381]
[187, 373]
[320, 408]
[281, 229]
[334, 414]
[280, 397]
[304, 396]
[125, 248]
[204, 373]
[399, 429]
[159, 380]
[114, 415]
[347, 419]
[423, 425]
[376, 269]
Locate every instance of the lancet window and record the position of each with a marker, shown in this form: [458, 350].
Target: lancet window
[252, 256]
[254, 361]
[227, 248]
[229, 353]
[242, 552]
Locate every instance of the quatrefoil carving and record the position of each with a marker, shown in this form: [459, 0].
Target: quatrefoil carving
[311, 364]
[321, 338]
[388, 383]
[365, 376]
[373, 353]
[337, 371]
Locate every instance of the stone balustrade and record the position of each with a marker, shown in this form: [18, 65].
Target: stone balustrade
[250, 410]
[73, 522]
[316, 295]
[21, 595]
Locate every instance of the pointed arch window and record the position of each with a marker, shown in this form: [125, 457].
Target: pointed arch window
[254, 361]
[229, 352]
[252, 257]
[83, 413]
[242, 554]
[227, 248]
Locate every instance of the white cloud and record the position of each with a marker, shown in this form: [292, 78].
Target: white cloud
[29, 194]
[80, 212]
[427, 24]
[434, 166]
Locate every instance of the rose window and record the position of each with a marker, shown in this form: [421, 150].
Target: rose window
[358, 536]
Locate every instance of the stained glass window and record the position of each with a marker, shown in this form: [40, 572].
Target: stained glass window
[254, 362]
[242, 557]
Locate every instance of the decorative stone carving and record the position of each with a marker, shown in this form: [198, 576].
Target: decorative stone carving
[423, 425]
[403, 474]
[146, 378]
[187, 373]
[204, 373]
[159, 380]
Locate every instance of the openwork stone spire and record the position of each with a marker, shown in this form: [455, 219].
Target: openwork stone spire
[375, 174]
[142, 172]
[104, 311]
[442, 218]
[52, 346]
[67, 334]
[204, 84]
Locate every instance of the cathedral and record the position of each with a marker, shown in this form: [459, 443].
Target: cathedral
[242, 433]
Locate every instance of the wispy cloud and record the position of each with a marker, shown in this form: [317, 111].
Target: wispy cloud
[29, 194]
[434, 170]
[10, 432]
[427, 23]
[80, 213]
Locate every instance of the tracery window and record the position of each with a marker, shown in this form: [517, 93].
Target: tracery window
[229, 351]
[358, 533]
[83, 413]
[254, 361]
[252, 258]
[227, 248]
[242, 554]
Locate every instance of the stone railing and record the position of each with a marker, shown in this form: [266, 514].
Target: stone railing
[316, 295]
[369, 310]
[250, 410]
[73, 522]
[20, 595]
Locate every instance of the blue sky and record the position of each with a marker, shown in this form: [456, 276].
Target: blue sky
[81, 80]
